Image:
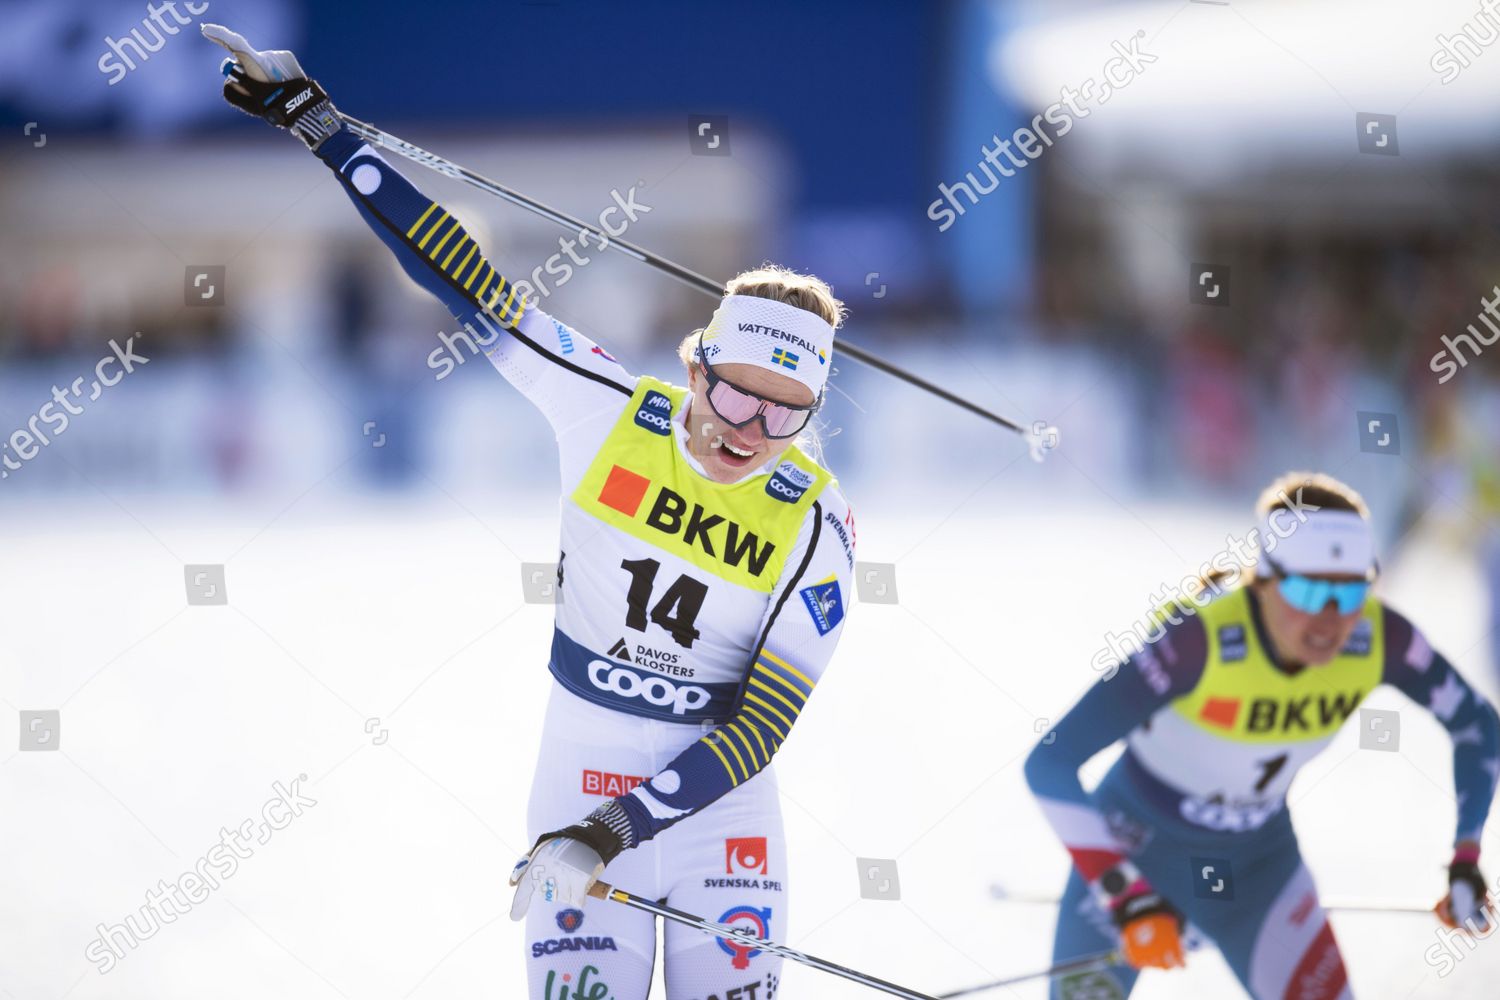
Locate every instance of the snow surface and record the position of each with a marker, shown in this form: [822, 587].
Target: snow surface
[175, 722]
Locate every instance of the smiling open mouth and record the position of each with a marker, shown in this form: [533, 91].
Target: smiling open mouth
[732, 456]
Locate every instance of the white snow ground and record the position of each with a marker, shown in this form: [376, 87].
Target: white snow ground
[175, 722]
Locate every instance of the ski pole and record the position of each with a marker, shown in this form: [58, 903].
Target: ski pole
[1086, 963]
[1040, 437]
[1330, 904]
[749, 942]
[1192, 940]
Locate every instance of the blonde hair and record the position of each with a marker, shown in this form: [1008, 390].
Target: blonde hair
[780, 284]
[1314, 490]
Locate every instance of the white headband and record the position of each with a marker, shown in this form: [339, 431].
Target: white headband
[1317, 543]
[750, 330]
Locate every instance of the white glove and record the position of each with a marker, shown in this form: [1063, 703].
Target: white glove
[273, 86]
[559, 870]
[264, 67]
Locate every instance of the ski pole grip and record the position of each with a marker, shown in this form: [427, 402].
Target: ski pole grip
[601, 890]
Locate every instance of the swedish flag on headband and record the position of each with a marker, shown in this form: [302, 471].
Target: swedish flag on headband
[785, 358]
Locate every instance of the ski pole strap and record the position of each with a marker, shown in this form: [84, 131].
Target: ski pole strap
[604, 890]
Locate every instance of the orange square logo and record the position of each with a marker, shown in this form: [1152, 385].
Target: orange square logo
[1220, 712]
[624, 490]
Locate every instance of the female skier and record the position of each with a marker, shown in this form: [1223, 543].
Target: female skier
[704, 563]
[1219, 711]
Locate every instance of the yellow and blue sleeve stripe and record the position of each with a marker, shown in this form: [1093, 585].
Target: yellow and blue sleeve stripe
[448, 247]
[432, 246]
[774, 694]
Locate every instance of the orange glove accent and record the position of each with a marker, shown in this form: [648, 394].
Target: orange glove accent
[1150, 927]
[1444, 911]
[1152, 941]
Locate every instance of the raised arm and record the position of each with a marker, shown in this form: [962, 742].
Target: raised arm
[566, 375]
[552, 364]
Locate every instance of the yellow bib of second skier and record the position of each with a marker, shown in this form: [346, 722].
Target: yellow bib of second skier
[1244, 698]
[640, 483]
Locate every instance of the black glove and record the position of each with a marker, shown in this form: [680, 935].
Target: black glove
[1143, 904]
[273, 86]
[606, 830]
[1468, 897]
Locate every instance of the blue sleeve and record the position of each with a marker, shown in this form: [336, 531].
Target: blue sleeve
[1427, 678]
[1162, 670]
[550, 363]
[431, 245]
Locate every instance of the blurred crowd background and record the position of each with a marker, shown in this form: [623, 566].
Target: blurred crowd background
[1065, 294]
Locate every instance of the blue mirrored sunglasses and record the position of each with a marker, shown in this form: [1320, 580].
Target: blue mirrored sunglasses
[1311, 596]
